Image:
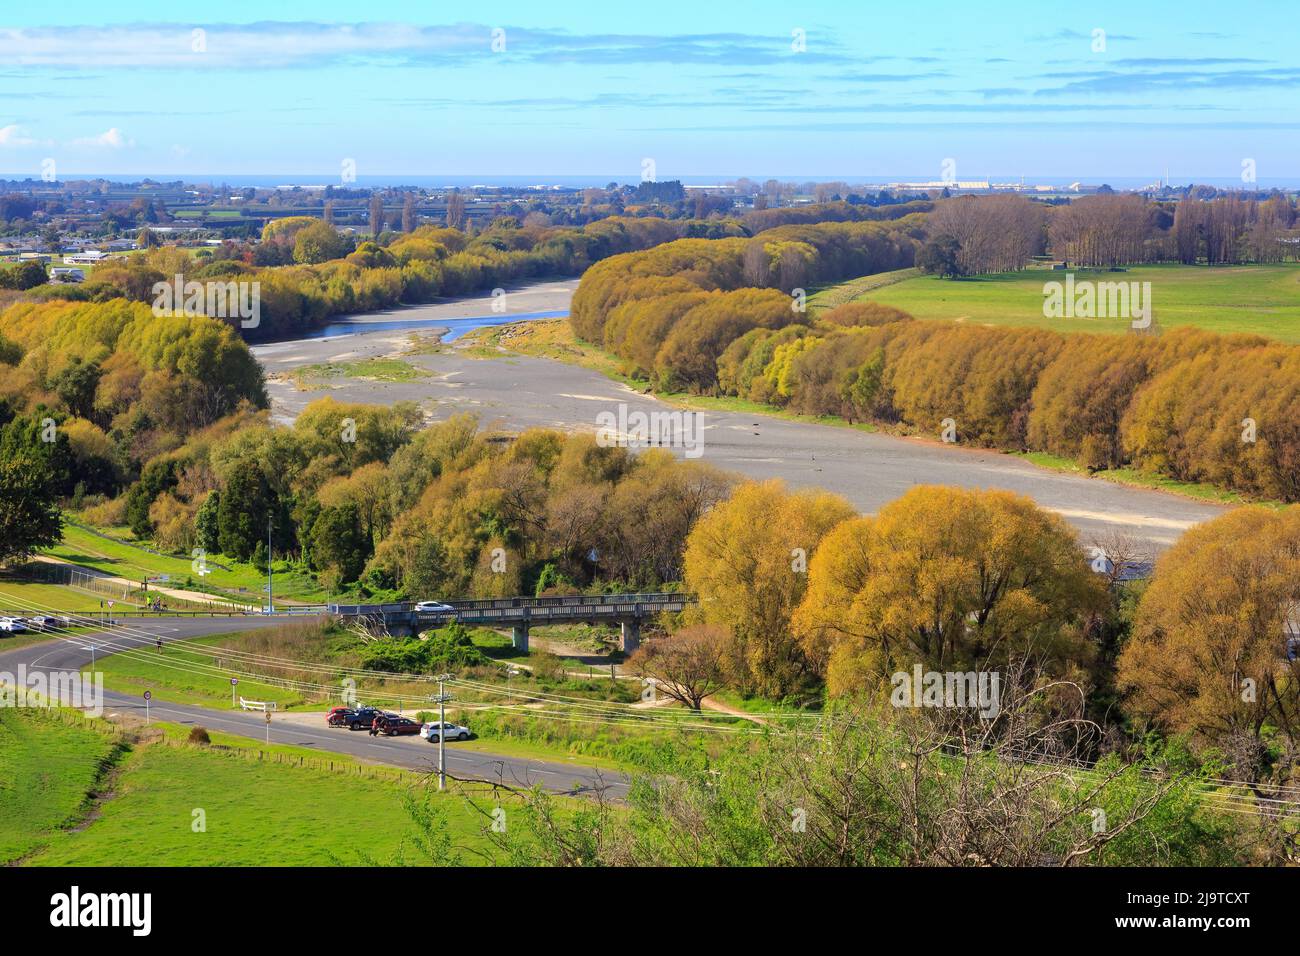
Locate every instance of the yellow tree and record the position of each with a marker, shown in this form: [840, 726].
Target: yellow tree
[1208, 651]
[747, 561]
[948, 578]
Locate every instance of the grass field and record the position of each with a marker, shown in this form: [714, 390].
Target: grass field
[23, 598]
[241, 582]
[255, 812]
[1260, 299]
[854, 289]
[46, 770]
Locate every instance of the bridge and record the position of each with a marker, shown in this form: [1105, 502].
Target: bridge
[520, 613]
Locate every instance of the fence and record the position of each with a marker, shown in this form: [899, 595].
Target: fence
[258, 705]
[86, 579]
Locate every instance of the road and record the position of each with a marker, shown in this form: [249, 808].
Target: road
[73, 654]
[516, 392]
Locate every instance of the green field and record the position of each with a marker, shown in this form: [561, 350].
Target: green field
[1260, 299]
[23, 598]
[242, 582]
[256, 812]
[46, 770]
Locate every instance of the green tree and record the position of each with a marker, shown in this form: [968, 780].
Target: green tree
[940, 256]
[207, 523]
[29, 514]
[339, 542]
[243, 510]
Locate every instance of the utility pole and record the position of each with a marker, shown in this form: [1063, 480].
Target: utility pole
[270, 593]
[442, 699]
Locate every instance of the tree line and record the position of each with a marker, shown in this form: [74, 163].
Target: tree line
[973, 235]
[308, 271]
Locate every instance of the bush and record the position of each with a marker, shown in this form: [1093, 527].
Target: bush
[199, 735]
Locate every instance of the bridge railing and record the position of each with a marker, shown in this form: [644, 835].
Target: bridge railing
[575, 600]
[566, 607]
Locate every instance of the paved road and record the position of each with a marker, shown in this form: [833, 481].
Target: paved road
[516, 392]
[72, 654]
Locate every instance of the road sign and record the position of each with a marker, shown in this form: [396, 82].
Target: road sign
[148, 695]
[234, 681]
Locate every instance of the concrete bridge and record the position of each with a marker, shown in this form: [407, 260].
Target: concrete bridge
[520, 613]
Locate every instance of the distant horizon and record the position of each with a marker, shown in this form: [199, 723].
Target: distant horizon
[579, 180]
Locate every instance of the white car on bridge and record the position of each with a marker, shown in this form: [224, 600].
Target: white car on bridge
[434, 607]
[449, 731]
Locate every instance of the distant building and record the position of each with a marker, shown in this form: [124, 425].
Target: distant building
[87, 258]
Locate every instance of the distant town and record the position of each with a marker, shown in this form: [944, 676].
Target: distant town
[69, 225]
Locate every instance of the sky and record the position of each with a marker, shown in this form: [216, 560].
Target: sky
[866, 90]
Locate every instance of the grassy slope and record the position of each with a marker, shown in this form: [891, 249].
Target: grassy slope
[124, 560]
[1259, 299]
[46, 769]
[24, 598]
[257, 813]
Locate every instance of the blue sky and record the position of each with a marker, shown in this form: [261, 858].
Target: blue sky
[703, 89]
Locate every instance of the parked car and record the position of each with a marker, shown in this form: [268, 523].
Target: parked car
[337, 715]
[391, 726]
[431, 732]
[434, 607]
[42, 623]
[12, 624]
[359, 718]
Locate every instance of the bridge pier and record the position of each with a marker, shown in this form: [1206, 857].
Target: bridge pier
[630, 635]
[519, 637]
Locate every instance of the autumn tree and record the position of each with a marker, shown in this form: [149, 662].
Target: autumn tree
[746, 559]
[1208, 654]
[455, 210]
[687, 665]
[950, 579]
[318, 242]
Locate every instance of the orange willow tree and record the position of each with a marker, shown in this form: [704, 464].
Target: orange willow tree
[1208, 652]
[747, 561]
[949, 579]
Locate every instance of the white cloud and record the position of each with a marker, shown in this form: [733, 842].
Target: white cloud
[109, 139]
[14, 136]
[278, 45]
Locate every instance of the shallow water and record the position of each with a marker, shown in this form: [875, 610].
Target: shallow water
[455, 327]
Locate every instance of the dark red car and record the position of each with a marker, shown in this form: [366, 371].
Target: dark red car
[391, 726]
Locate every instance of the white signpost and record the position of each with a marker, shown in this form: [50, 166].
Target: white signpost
[148, 695]
[234, 682]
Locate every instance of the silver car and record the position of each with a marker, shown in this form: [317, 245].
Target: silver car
[431, 732]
